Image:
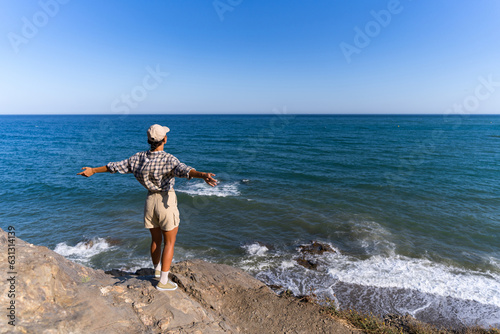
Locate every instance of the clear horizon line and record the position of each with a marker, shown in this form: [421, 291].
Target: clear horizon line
[263, 114]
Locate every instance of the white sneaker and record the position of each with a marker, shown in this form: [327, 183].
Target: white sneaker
[170, 286]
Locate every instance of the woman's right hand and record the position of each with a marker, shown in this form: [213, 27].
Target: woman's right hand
[88, 171]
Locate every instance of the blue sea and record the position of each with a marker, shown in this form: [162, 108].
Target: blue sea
[411, 204]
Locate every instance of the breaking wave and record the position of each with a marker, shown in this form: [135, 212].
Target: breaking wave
[83, 251]
[385, 284]
[202, 189]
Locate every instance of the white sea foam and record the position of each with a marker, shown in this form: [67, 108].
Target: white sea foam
[138, 264]
[202, 189]
[421, 275]
[422, 287]
[392, 272]
[494, 261]
[372, 237]
[286, 264]
[256, 249]
[83, 251]
[392, 282]
[258, 258]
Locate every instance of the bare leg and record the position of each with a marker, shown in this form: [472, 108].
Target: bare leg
[168, 249]
[156, 239]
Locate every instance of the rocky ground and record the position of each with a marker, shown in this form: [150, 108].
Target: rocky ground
[42, 292]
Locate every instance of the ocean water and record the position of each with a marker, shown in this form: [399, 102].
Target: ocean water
[411, 204]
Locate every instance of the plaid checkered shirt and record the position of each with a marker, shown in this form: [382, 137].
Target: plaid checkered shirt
[156, 171]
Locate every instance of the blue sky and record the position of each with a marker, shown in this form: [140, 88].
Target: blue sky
[249, 56]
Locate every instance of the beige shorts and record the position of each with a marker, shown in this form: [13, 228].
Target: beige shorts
[161, 211]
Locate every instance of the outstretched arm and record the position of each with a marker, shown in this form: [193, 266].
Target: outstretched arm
[89, 171]
[207, 177]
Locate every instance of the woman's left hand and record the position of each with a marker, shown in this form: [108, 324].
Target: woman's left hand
[208, 178]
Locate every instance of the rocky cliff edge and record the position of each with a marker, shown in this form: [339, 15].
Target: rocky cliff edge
[43, 292]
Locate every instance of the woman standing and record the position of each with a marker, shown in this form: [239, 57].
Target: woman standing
[156, 171]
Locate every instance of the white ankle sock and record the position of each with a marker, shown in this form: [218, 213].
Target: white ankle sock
[158, 266]
[164, 277]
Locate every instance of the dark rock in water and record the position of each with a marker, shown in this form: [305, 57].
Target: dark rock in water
[316, 248]
[88, 244]
[268, 246]
[308, 253]
[309, 264]
[113, 241]
[117, 273]
[145, 272]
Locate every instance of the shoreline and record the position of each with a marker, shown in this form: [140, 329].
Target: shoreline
[54, 293]
[330, 274]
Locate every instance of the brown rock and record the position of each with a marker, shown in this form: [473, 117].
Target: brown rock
[145, 272]
[55, 295]
[250, 305]
[309, 264]
[316, 248]
[308, 254]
